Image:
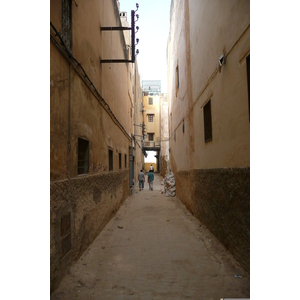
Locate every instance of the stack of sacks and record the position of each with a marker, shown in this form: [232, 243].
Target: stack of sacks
[169, 185]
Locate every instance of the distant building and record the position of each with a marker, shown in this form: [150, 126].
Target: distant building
[151, 90]
[209, 113]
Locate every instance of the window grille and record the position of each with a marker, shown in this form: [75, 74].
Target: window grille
[150, 118]
[150, 136]
[150, 101]
[65, 233]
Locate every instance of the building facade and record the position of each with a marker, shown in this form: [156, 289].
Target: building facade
[91, 126]
[209, 117]
[151, 90]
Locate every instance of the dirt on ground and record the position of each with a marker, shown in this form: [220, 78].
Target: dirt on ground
[155, 249]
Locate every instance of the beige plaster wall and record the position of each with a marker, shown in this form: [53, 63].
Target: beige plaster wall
[200, 32]
[104, 118]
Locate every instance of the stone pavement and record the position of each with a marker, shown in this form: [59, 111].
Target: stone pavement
[154, 249]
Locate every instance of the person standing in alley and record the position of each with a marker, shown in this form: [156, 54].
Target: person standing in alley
[151, 168]
[150, 180]
[141, 177]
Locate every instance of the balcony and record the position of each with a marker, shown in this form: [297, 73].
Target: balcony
[155, 145]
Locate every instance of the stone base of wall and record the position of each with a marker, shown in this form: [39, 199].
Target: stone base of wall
[220, 199]
[90, 201]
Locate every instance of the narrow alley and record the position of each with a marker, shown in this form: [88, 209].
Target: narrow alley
[153, 248]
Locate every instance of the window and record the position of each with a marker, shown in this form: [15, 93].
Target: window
[65, 233]
[66, 23]
[120, 161]
[150, 118]
[207, 122]
[248, 81]
[110, 160]
[177, 79]
[150, 136]
[83, 156]
[125, 161]
[150, 101]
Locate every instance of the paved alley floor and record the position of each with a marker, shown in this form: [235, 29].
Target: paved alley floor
[154, 249]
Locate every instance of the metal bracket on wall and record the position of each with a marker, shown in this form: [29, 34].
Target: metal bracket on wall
[132, 28]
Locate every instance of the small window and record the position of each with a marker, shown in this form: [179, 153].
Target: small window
[207, 122]
[150, 101]
[110, 160]
[83, 156]
[65, 233]
[120, 161]
[248, 82]
[177, 78]
[150, 118]
[125, 161]
[150, 136]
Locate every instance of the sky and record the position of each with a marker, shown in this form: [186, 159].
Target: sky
[153, 23]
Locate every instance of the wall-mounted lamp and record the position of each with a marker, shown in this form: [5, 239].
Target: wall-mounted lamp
[137, 41]
[137, 29]
[137, 6]
[221, 61]
[137, 51]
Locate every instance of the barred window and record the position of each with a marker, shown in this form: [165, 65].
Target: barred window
[150, 118]
[150, 136]
[150, 101]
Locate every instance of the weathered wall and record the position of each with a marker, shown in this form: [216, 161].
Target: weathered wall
[220, 199]
[217, 171]
[92, 201]
[93, 102]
